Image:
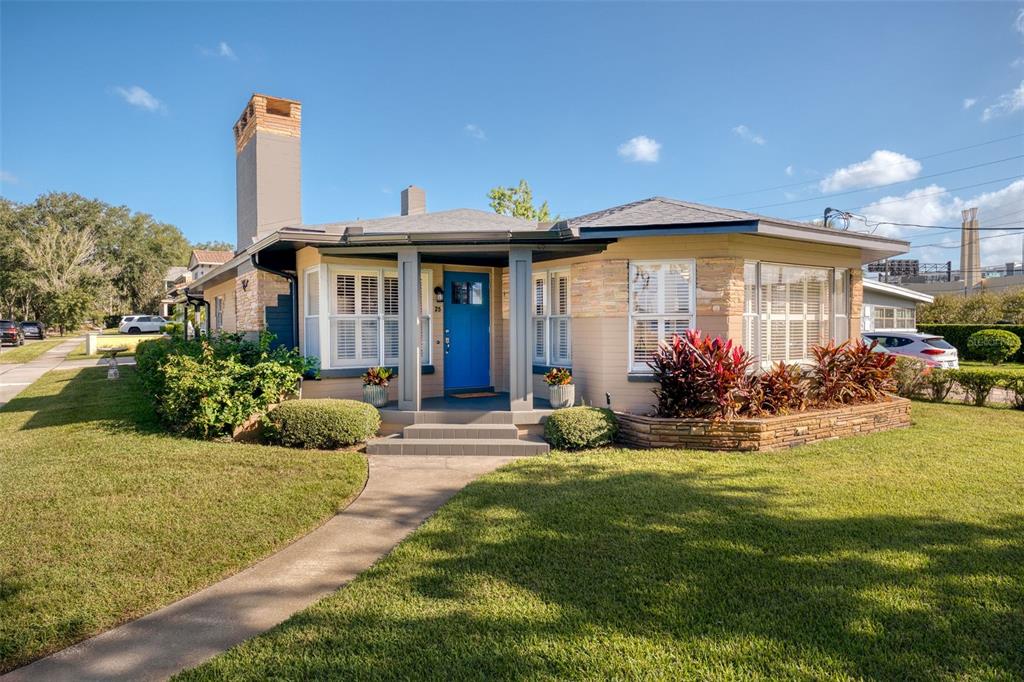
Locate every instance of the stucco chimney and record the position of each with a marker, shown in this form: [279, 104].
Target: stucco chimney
[267, 167]
[414, 200]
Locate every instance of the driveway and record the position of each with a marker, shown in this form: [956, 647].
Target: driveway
[401, 492]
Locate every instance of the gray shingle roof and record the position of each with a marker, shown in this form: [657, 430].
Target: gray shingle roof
[456, 220]
[666, 211]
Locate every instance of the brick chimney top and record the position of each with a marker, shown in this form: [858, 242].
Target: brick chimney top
[271, 114]
[414, 200]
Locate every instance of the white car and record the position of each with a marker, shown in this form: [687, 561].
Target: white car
[141, 324]
[934, 351]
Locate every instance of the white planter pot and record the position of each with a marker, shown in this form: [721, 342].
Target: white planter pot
[375, 395]
[563, 395]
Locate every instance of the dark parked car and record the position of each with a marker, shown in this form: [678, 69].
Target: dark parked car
[33, 330]
[10, 333]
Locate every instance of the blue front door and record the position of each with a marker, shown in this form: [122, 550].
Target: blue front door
[467, 330]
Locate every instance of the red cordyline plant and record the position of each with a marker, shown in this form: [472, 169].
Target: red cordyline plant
[850, 373]
[700, 376]
[779, 390]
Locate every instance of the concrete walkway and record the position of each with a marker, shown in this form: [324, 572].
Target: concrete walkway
[16, 377]
[402, 491]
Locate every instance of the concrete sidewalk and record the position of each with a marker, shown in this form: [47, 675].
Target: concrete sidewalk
[15, 378]
[402, 491]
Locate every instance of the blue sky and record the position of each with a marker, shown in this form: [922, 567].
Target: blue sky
[595, 105]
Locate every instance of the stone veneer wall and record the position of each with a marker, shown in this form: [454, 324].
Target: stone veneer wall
[251, 300]
[771, 433]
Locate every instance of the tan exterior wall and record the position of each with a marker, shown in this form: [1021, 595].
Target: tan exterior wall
[227, 290]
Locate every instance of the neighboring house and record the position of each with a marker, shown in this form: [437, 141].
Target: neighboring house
[175, 280]
[887, 306]
[464, 300]
[202, 261]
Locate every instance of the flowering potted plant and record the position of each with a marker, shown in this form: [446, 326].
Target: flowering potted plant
[563, 392]
[375, 386]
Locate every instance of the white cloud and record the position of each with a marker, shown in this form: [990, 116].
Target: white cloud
[789, 170]
[748, 134]
[475, 131]
[641, 149]
[138, 97]
[1017, 63]
[8, 177]
[1007, 103]
[932, 206]
[969, 102]
[882, 167]
[222, 50]
[1019, 23]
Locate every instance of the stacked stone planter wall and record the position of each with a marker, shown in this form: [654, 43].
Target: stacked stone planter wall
[770, 433]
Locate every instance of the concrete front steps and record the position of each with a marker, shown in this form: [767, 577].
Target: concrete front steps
[475, 438]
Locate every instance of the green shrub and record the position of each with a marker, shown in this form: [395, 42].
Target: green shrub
[1014, 383]
[174, 329]
[323, 424]
[575, 428]
[910, 375]
[957, 335]
[209, 397]
[937, 384]
[993, 345]
[977, 384]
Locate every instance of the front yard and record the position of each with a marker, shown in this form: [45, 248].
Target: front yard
[105, 517]
[898, 555]
[30, 351]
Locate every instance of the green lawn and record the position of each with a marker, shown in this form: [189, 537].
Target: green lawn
[978, 364]
[105, 518]
[114, 340]
[30, 351]
[896, 556]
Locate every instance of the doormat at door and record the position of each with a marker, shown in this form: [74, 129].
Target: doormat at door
[480, 394]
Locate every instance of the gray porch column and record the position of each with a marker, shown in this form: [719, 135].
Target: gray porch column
[520, 383]
[408, 329]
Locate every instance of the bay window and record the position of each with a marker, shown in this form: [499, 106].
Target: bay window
[552, 326]
[661, 304]
[789, 309]
[364, 317]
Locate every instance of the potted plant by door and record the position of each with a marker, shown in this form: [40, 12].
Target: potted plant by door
[375, 386]
[563, 391]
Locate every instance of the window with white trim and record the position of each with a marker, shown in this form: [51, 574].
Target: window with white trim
[364, 317]
[891, 317]
[311, 312]
[661, 304]
[841, 304]
[787, 311]
[218, 313]
[552, 324]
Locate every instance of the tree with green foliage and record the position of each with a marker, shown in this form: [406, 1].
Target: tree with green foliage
[214, 245]
[518, 203]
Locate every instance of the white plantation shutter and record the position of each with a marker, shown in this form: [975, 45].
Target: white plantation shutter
[794, 312]
[311, 313]
[661, 306]
[345, 295]
[364, 321]
[551, 320]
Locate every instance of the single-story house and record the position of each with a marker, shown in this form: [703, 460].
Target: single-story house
[466, 300]
[892, 307]
[203, 261]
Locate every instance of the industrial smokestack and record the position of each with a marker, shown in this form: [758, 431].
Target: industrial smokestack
[970, 248]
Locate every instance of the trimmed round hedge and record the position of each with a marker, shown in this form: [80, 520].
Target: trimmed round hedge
[576, 428]
[993, 345]
[322, 424]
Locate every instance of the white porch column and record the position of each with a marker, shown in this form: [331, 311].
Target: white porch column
[520, 383]
[409, 370]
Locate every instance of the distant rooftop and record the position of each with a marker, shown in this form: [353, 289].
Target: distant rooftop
[204, 257]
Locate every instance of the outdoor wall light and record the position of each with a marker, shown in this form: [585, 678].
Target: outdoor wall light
[439, 294]
[245, 284]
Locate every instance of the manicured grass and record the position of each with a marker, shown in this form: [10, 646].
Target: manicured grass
[30, 351]
[105, 518]
[115, 340]
[977, 364]
[896, 556]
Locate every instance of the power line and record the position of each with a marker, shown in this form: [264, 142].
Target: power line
[929, 194]
[941, 245]
[888, 184]
[894, 165]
